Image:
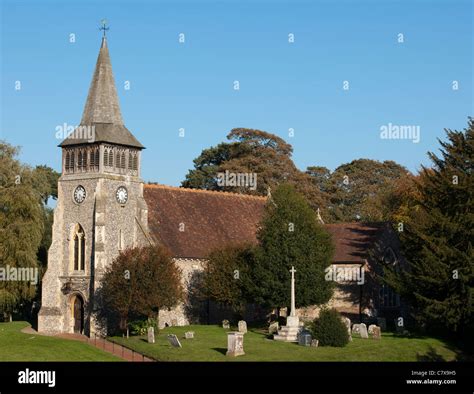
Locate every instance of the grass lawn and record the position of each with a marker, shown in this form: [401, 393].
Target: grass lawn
[17, 346]
[210, 344]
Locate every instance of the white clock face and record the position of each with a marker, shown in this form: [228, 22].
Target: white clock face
[121, 195]
[79, 194]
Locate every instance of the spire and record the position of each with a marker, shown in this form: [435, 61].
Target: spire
[102, 109]
[102, 105]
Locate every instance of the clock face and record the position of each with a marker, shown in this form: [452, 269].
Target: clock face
[121, 195]
[79, 194]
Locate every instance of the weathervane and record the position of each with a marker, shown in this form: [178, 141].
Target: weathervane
[104, 26]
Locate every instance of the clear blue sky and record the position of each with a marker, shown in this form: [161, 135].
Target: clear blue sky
[282, 85]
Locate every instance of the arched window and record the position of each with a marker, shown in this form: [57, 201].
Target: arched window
[79, 248]
[84, 160]
[388, 297]
[96, 154]
[92, 158]
[66, 164]
[135, 161]
[71, 163]
[106, 157]
[130, 161]
[122, 162]
[79, 160]
[111, 159]
[117, 160]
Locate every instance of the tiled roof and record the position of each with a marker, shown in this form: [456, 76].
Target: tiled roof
[208, 219]
[211, 219]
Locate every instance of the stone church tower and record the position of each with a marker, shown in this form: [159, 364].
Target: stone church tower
[100, 209]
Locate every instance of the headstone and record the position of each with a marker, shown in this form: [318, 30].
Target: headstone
[356, 328]
[376, 333]
[347, 322]
[174, 341]
[371, 328]
[189, 335]
[235, 344]
[225, 324]
[382, 323]
[363, 331]
[304, 338]
[151, 335]
[273, 327]
[243, 326]
[314, 343]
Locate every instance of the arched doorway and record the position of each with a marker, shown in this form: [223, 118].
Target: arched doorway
[78, 314]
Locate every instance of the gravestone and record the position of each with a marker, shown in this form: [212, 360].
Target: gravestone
[356, 328]
[371, 328]
[347, 322]
[376, 333]
[363, 331]
[304, 338]
[243, 326]
[314, 343]
[273, 327]
[235, 344]
[225, 324]
[174, 341]
[151, 335]
[382, 323]
[189, 335]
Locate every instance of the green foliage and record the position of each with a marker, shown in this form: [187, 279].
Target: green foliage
[227, 276]
[437, 240]
[252, 151]
[140, 327]
[21, 226]
[357, 190]
[329, 329]
[139, 282]
[291, 236]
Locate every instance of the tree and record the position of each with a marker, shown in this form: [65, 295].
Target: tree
[21, 226]
[140, 282]
[227, 276]
[291, 236]
[356, 188]
[437, 240]
[252, 152]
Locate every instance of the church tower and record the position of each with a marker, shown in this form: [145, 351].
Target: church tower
[100, 208]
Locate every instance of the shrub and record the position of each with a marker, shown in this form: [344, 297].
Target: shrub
[140, 327]
[329, 329]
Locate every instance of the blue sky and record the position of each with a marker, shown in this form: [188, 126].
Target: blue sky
[282, 85]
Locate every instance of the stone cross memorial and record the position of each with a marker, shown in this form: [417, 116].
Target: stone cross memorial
[289, 333]
[235, 344]
[151, 335]
[174, 341]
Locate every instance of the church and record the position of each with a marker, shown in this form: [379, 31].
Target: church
[104, 207]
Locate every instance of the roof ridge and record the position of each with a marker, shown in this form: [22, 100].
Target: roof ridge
[205, 191]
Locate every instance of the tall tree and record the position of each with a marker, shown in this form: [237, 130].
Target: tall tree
[291, 236]
[21, 226]
[227, 276]
[252, 152]
[438, 240]
[356, 188]
[140, 282]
